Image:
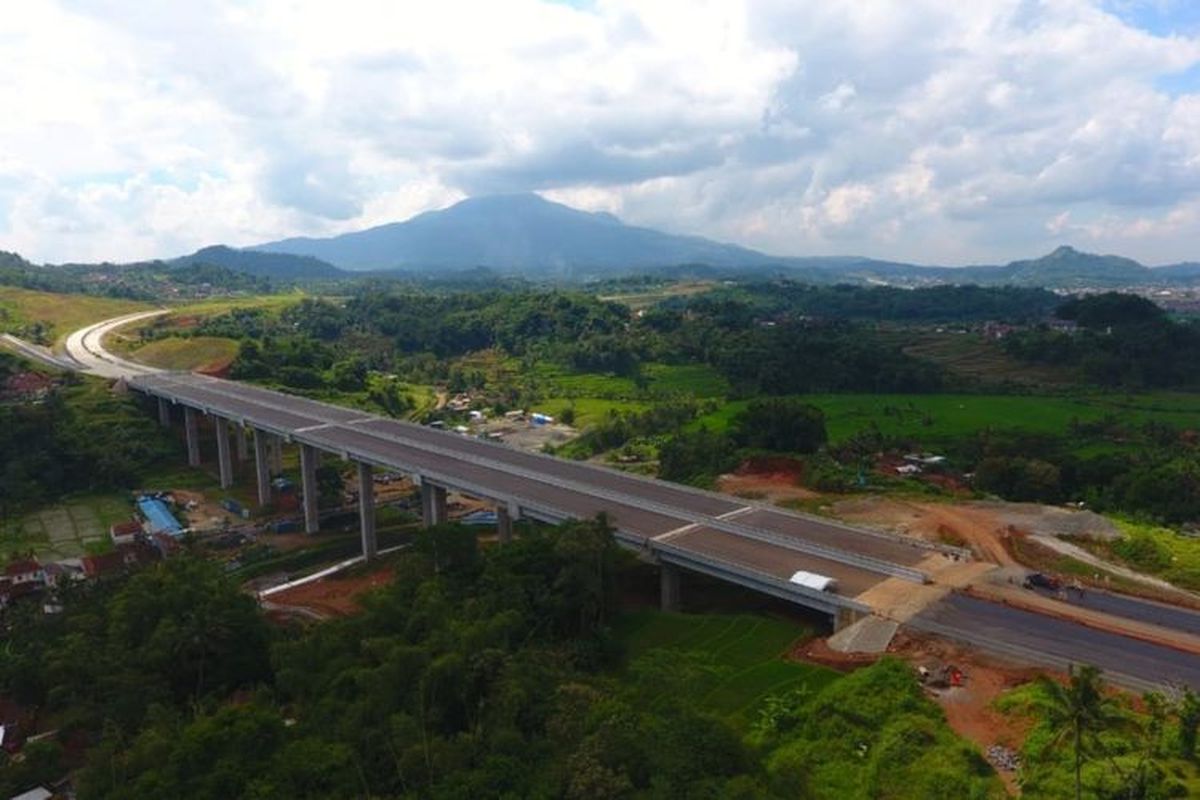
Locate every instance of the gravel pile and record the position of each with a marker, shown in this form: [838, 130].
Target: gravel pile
[1003, 758]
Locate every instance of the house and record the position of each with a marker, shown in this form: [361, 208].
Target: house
[27, 386]
[24, 571]
[124, 559]
[125, 532]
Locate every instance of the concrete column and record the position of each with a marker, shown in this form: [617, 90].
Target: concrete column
[224, 462]
[504, 524]
[164, 412]
[669, 581]
[308, 481]
[262, 470]
[433, 504]
[439, 505]
[193, 436]
[366, 509]
[239, 437]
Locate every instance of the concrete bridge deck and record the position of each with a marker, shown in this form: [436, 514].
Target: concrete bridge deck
[668, 522]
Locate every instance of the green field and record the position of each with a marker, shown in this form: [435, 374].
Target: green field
[195, 352]
[744, 654]
[66, 529]
[942, 416]
[63, 312]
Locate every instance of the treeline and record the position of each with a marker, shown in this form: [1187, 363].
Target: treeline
[139, 281]
[1123, 341]
[1159, 479]
[80, 438]
[791, 299]
[474, 674]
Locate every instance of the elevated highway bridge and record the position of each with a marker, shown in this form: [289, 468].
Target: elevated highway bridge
[756, 546]
[680, 528]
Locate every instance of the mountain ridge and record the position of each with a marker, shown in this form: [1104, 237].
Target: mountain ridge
[526, 234]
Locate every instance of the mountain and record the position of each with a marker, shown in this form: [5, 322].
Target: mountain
[517, 233]
[279, 266]
[1067, 268]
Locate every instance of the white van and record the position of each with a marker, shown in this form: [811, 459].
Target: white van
[811, 580]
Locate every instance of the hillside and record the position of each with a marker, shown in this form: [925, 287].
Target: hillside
[279, 266]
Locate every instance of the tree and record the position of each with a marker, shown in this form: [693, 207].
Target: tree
[329, 485]
[781, 423]
[1077, 712]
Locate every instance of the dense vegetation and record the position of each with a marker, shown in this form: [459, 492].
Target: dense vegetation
[475, 673]
[81, 437]
[152, 280]
[1122, 341]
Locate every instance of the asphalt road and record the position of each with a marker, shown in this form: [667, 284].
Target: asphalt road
[997, 628]
[1174, 617]
[86, 346]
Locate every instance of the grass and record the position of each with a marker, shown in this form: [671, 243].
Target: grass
[1160, 551]
[747, 652]
[68, 528]
[944, 416]
[196, 352]
[63, 312]
[221, 305]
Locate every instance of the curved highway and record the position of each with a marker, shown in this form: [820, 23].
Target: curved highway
[86, 346]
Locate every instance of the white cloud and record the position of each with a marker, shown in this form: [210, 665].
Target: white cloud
[910, 129]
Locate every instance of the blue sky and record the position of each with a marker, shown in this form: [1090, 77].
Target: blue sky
[907, 129]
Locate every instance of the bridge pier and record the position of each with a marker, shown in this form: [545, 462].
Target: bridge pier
[239, 437]
[504, 523]
[308, 485]
[164, 412]
[433, 504]
[262, 471]
[669, 587]
[193, 436]
[224, 462]
[276, 454]
[366, 510]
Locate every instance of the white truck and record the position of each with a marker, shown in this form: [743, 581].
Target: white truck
[811, 580]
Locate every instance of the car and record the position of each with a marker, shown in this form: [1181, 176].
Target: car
[1039, 580]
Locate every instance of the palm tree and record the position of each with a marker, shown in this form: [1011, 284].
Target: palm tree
[1077, 711]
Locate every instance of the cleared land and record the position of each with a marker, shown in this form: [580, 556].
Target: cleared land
[204, 353]
[746, 656]
[63, 312]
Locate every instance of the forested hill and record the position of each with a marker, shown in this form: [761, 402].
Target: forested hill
[280, 266]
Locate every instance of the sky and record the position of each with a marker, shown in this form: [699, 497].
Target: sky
[915, 130]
